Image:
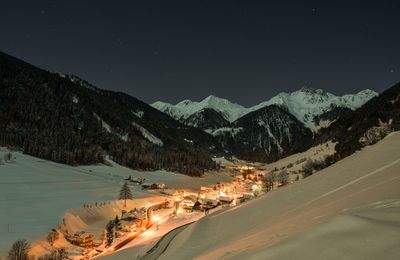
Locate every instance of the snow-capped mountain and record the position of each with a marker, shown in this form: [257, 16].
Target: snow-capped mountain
[271, 130]
[315, 108]
[307, 104]
[184, 109]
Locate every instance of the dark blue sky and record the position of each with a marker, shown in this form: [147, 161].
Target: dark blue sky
[245, 51]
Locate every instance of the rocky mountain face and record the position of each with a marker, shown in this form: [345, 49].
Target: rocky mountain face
[66, 119]
[206, 118]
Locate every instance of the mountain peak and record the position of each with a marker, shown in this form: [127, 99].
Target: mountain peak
[184, 109]
[211, 99]
[368, 92]
[184, 103]
[310, 90]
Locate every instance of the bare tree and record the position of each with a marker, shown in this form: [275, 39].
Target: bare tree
[283, 177]
[58, 254]
[8, 157]
[52, 237]
[269, 180]
[308, 168]
[311, 166]
[19, 250]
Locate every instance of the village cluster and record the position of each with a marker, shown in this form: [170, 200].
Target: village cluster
[248, 182]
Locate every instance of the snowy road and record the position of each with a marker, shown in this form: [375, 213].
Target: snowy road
[162, 244]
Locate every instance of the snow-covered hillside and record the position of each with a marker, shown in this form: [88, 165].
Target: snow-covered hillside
[35, 193]
[305, 104]
[350, 210]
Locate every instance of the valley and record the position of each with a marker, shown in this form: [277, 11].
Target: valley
[91, 173]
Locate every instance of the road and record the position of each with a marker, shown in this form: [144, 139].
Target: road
[163, 243]
[132, 237]
[159, 248]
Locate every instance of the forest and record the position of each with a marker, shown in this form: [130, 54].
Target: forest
[64, 119]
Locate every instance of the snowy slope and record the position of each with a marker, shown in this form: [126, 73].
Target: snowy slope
[310, 218]
[168, 109]
[35, 193]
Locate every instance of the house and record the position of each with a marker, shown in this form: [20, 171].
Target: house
[205, 204]
[128, 226]
[187, 204]
[248, 195]
[134, 215]
[155, 186]
[225, 199]
[83, 239]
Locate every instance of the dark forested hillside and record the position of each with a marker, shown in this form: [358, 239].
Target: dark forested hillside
[366, 125]
[206, 119]
[65, 119]
[266, 135]
[331, 115]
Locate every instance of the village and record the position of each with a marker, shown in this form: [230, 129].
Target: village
[152, 204]
[179, 206]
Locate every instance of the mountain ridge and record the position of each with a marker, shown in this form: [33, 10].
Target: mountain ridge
[305, 103]
[66, 119]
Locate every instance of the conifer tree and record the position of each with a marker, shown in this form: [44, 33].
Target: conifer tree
[110, 233]
[116, 224]
[125, 193]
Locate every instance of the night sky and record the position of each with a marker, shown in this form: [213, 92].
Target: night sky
[245, 51]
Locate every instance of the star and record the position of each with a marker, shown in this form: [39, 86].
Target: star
[119, 41]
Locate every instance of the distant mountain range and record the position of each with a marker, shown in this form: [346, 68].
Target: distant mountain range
[66, 119]
[308, 105]
[273, 129]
